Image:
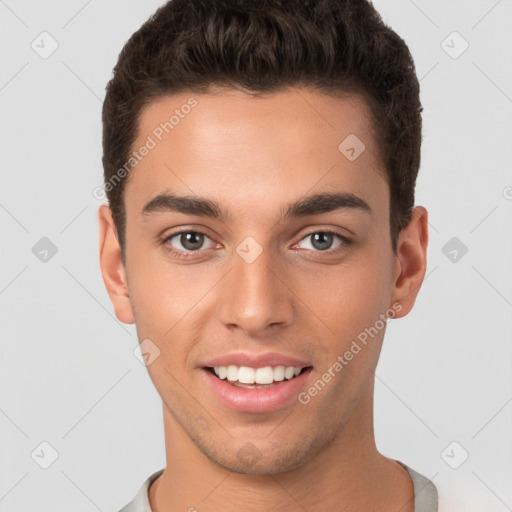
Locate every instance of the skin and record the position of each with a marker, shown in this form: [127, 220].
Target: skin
[255, 156]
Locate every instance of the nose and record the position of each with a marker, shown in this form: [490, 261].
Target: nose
[255, 295]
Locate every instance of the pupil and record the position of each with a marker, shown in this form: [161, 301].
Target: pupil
[322, 244]
[188, 239]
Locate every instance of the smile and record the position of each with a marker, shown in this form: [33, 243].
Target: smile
[256, 390]
[246, 376]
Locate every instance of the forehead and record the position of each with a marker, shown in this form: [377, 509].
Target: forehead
[252, 151]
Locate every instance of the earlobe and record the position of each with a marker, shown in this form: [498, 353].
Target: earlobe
[411, 261]
[112, 268]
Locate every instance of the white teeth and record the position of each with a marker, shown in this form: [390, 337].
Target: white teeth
[264, 375]
[289, 372]
[246, 375]
[279, 373]
[232, 373]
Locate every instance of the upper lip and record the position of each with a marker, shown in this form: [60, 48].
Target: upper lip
[256, 360]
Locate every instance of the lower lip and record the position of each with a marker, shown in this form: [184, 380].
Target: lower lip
[256, 400]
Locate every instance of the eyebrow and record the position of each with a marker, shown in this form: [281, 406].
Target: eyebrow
[310, 205]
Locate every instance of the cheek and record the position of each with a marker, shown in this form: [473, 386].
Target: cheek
[350, 305]
[345, 299]
[162, 294]
[171, 306]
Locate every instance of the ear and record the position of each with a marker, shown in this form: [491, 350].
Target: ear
[410, 261]
[112, 268]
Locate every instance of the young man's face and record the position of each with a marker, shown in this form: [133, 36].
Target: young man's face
[256, 288]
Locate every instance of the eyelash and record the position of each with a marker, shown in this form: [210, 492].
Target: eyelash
[190, 254]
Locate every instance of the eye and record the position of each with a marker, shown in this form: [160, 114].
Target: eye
[321, 241]
[183, 243]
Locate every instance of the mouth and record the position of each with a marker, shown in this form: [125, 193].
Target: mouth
[257, 378]
[255, 383]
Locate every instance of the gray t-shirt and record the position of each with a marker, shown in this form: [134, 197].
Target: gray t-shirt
[425, 493]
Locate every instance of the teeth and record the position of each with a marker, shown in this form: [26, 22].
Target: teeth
[279, 373]
[231, 373]
[289, 372]
[248, 375]
[264, 375]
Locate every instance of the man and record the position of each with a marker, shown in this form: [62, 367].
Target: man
[260, 161]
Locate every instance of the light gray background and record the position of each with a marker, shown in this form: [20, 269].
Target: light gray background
[68, 373]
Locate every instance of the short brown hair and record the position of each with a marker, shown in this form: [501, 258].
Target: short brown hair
[263, 46]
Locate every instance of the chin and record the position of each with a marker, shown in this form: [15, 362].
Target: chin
[251, 460]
